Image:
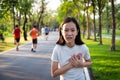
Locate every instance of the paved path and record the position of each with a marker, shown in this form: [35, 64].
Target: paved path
[110, 36]
[27, 65]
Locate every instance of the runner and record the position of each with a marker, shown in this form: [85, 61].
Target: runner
[34, 35]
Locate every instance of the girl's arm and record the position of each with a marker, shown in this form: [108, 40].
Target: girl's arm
[87, 63]
[56, 71]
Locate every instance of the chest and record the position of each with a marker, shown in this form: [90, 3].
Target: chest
[66, 53]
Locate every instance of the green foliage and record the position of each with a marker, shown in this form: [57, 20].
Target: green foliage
[6, 33]
[67, 9]
[5, 26]
[7, 5]
[117, 12]
[25, 6]
[1, 31]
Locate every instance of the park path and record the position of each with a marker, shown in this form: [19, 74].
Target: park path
[110, 36]
[27, 65]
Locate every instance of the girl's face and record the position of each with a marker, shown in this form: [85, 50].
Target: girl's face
[69, 32]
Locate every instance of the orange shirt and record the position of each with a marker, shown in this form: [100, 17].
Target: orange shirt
[34, 33]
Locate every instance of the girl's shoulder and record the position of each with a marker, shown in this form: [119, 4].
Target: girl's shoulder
[83, 46]
[58, 46]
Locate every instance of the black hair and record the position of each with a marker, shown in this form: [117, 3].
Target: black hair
[16, 25]
[61, 40]
[34, 26]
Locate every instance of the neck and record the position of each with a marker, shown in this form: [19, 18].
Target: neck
[70, 44]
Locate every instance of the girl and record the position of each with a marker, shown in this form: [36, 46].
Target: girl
[69, 52]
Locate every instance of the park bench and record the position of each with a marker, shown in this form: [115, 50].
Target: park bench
[2, 37]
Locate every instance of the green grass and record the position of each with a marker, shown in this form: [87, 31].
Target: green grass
[9, 43]
[106, 63]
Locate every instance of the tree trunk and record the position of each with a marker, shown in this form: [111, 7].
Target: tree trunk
[87, 22]
[100, 24]
[93, 3]
[24, 29]
[84, 22]
[100, 29]
[40, 17]
[107, 20]
[18, 16]
[13, 16]
[113, 27]
[94, 28]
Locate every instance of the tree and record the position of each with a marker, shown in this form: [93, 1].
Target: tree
[7, 15]
[101, 5]
[40, 14]
[81, 6]
[117, 17]
[9, 6]
[113, 27]
[87, 2]
[94, 12]
[25, 5]
[108, 18]
[68, 8]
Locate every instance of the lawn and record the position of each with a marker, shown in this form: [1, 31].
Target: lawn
[106, 64]
[9, 43]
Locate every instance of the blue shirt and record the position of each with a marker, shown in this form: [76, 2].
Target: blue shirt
[46, 29]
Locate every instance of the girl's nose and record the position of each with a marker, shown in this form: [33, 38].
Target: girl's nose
[69, 33]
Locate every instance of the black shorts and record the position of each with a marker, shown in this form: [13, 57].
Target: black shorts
[17, 39]
[46, 33]
[34, 41]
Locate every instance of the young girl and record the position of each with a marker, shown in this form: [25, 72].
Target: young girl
[69, 52]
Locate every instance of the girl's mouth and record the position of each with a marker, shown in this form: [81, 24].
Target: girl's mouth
[69, 38]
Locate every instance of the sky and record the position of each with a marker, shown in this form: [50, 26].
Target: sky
[53, 4]
[118, 1]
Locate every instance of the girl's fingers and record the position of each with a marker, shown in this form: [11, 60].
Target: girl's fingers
[79, 56]
[76, 60]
